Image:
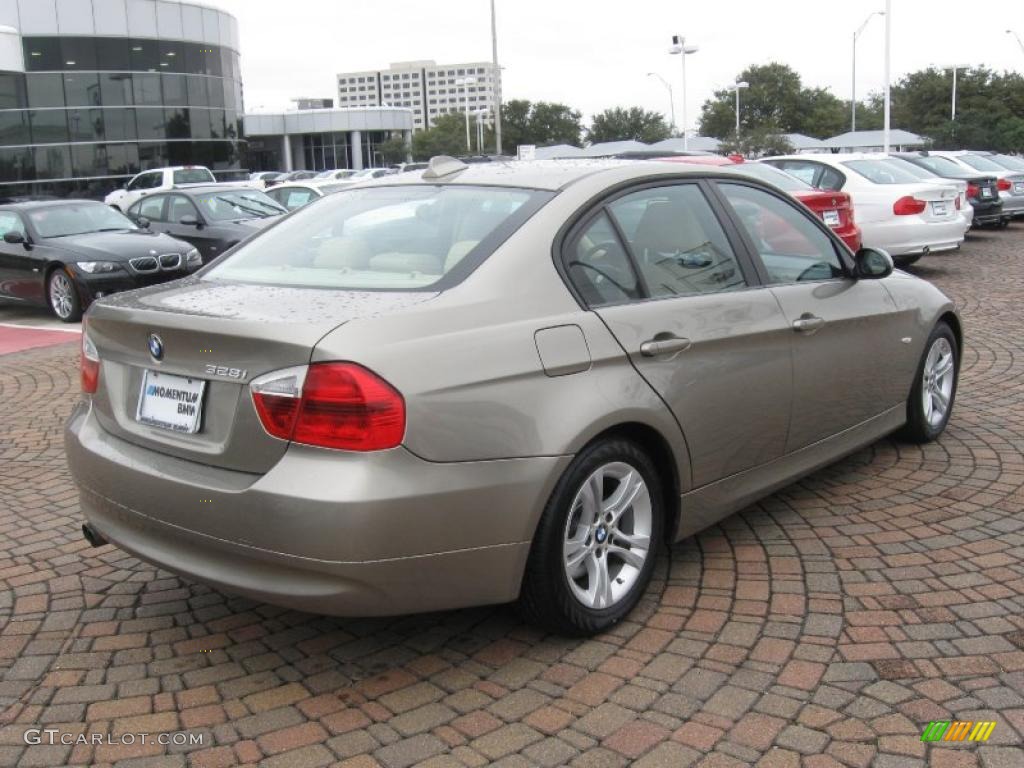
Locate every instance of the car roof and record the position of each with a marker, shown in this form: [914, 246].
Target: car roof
[550, 175]
[200, 189]
[31, 205]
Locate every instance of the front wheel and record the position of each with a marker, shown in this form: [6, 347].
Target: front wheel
[931, 398]
[63, 296]
[596, 544]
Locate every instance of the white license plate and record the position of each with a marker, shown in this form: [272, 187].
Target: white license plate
[939, 209]
[171, 402]
[986, 191]
[831, 218]
[1018, 187]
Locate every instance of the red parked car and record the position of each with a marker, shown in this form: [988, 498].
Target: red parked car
[834, 208]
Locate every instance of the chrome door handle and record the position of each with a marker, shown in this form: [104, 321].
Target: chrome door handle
[808, 323]
[664, 345]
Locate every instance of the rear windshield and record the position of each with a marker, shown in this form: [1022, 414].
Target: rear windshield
[941, 165]
[1010, 162]
[779, 178]
[981, 163]
[390, 238]
[882, 171]
[193, 176]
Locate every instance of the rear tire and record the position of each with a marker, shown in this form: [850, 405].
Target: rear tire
[931, 398]
[62, 296]
[597, 541]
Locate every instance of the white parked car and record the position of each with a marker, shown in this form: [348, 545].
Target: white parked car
[963, 203]
[163, 179]
[295, 194]
[1011, 183]
[336, 174]
[894, 209]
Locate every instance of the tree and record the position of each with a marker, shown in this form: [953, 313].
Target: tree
[776, 101]
[619, 124]
[540, 123]
[758, 142]
[447, 137]
[394, 150]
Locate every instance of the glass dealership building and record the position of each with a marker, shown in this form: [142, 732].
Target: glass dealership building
[93, 91]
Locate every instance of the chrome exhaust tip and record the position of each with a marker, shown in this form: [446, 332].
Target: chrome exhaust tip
[92, 536]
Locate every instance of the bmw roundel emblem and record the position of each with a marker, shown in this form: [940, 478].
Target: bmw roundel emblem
[156, 347]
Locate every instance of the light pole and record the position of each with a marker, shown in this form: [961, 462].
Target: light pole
[465, 82]
[955, 67]
[1011, 32]
[737, 87]
[497, 81]
[671, 98]
[682, 50]
[853, 90]
[480, 115]
[887, 120]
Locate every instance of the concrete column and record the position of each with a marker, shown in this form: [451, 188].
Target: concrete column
[286, 152]
[407, 138]
[355, 140]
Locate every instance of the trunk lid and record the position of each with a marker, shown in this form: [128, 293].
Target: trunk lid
[224, 334]
[940, 201]
[824, 203]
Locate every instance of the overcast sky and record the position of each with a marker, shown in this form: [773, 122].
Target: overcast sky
[594, 54]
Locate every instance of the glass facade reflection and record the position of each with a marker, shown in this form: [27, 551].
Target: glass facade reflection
[90, 112]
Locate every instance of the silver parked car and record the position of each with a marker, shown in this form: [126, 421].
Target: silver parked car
[498, 382]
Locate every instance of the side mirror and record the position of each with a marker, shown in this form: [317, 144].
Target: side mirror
[189, 221]
[142, 221]
[14, 237]
[873, 263]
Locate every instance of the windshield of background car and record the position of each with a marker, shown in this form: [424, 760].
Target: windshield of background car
[982, 163]
[193, 176]
[231, 205]
[78, 219]
[391, 238]
[882, 171]
[780, 179]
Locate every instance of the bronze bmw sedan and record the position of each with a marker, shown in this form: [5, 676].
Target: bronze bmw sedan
[476, 385]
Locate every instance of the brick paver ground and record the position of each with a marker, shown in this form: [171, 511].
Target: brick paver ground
[822, 627]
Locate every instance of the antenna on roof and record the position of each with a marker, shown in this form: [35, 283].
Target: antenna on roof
[442, 165]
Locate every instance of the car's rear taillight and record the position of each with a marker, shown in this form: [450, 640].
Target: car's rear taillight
[1004, 185]
[89, 364]
[973, 190]
[331, 405]
[908, 206]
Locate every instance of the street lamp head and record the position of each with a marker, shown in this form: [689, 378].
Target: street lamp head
[740, 84]
[675, 50]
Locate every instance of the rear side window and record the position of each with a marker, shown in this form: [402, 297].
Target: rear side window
[599, 266]
[403, 237]
[677, 242]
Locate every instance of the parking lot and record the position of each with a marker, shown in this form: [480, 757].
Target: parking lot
[824, 626]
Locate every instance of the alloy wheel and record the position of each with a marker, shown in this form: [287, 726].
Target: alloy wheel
[61, 295]
[607, 535]
[937, 381]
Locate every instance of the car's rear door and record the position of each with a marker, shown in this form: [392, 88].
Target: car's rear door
[663, 273]
[845, 332]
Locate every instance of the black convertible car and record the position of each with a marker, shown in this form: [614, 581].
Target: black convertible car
[66, 253]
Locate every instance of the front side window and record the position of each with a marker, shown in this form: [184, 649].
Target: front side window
[677, 242]
[144, 181]
[383, 238]
[179, 207]
[78, 219]
[790, 245]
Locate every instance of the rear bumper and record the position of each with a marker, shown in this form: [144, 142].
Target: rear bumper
[1013, 205]
[323, 531]
[990, 212]
[910, 235]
